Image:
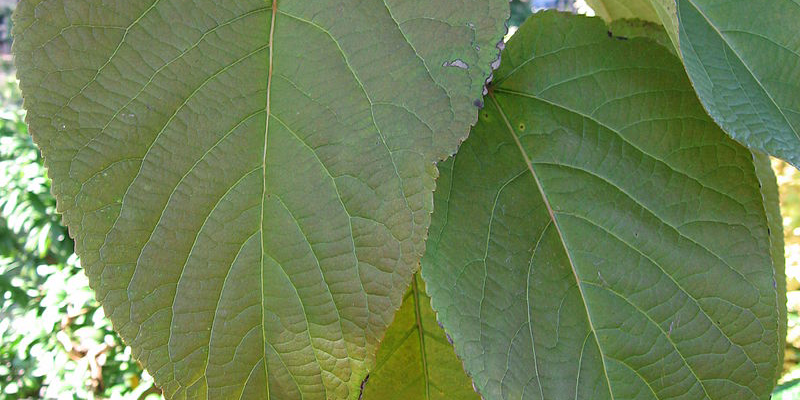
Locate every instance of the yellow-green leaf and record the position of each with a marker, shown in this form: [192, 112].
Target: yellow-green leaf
[769, 192]
[249, 182]
[416, 360]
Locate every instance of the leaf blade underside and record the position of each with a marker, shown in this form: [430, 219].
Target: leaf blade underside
[612, 244]
[249, 182]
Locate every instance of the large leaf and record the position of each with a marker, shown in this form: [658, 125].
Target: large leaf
[609, 244]
[416, 361]
[743, 58]
[249, 182]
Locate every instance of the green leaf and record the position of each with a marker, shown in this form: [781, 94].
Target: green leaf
[611, 244]
[624, 9]
[744, 61]
[656, 11]
[631, 28]
[769, 192]
[250, 182]
[416, 360]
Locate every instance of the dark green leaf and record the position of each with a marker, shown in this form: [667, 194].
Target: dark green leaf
[743, 58]
[744, 61]
[769, 192]
[598, 236]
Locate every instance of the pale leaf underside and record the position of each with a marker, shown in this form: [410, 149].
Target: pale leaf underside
[249, 182]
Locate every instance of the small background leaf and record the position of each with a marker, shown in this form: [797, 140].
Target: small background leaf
[631, 28]
[787, 391]
[656, 11]
[415, 360]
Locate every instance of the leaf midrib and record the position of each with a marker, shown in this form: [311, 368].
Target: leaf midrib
[264, 190]
[546, 201]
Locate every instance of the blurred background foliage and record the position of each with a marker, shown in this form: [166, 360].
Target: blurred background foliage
[789, 186]
[55, 341]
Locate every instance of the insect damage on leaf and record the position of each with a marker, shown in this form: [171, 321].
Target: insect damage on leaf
[458, 63]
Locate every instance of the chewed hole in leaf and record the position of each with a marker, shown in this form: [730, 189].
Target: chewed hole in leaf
[458, 63]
